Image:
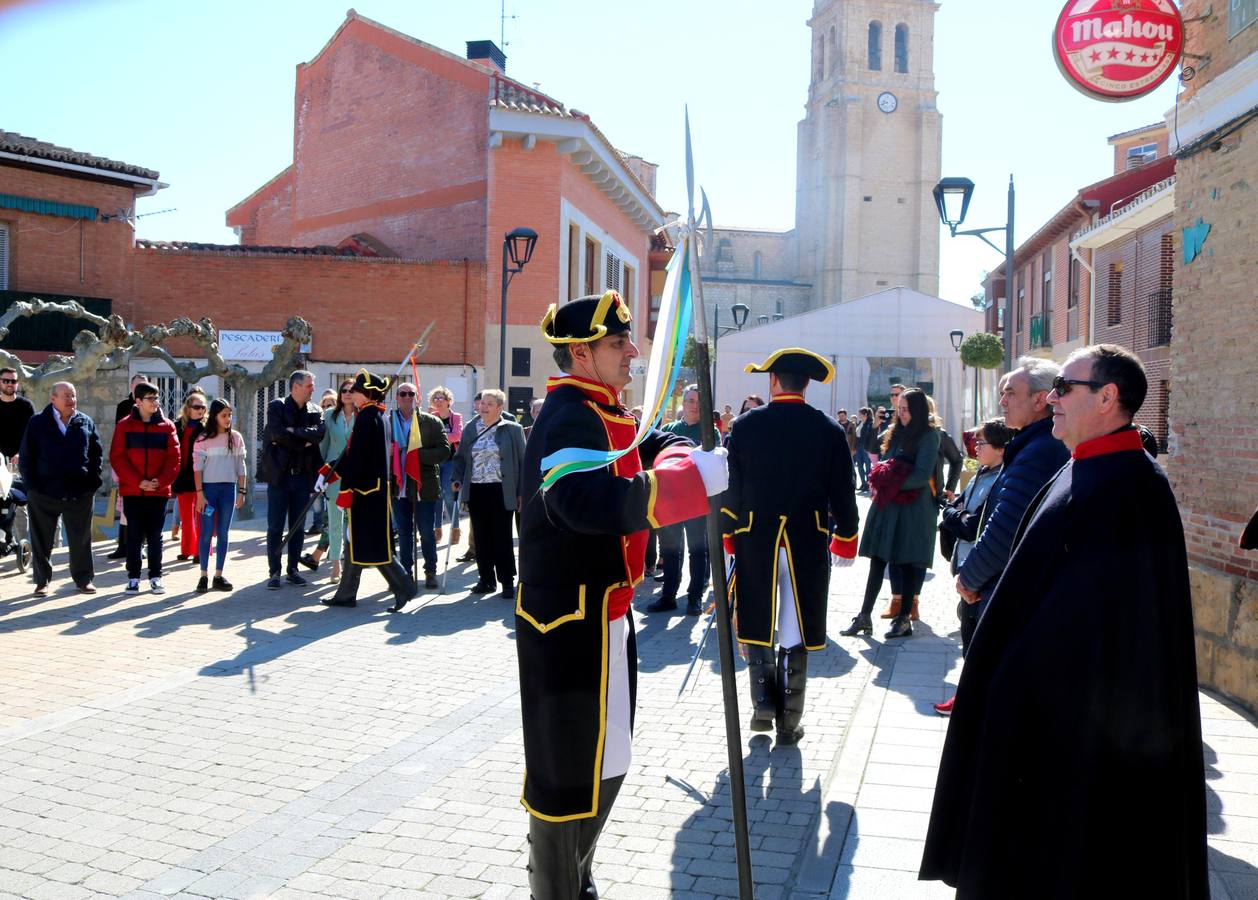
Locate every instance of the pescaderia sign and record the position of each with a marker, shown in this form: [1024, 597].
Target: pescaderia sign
[1118, 49]
[246, 346]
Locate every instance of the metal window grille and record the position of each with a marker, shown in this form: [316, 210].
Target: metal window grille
[4, 257]
[1160, 318]
[1114, 311]
[172, 389]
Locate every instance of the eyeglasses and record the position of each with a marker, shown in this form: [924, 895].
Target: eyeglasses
[406, 393]
[347, 390]
[153, 397]
[1063, 385]
[8, 381]
[201, 406]
[978, 444]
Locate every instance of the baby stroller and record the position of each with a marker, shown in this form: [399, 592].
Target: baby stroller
[12, 496]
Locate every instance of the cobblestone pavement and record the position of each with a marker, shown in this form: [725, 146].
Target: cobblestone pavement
[258, 744]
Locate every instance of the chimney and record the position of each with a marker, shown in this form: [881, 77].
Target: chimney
[487, 54]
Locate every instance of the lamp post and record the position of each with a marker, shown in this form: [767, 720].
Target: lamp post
[740, 312]
[956, 335]
[952, 198]
[517, 249]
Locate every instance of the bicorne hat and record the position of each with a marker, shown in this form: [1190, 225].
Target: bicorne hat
[371, 385]
[586, 319]
[797, 361]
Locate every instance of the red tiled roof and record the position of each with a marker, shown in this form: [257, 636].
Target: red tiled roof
[243, 249]
[21, 145]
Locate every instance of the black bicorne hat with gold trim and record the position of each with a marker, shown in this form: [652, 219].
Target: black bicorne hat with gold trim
[797, 361]
[586, 319]
[372, 385]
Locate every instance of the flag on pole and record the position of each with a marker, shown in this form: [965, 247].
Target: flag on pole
[664, 368]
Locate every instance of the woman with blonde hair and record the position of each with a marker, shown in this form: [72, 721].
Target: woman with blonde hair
[189, 424]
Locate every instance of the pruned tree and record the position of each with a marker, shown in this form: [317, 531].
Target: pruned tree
[116, 344]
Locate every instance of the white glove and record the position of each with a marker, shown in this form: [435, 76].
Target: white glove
[320, 484]
[713, 467]
[841, 562]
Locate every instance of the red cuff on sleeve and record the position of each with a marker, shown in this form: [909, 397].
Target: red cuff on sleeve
[677, 492]
[329, 474]
[345, 499]
[844, 547]
[728, 541]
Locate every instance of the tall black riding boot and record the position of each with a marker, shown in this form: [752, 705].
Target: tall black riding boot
[401, 583]
[347, 589]
[792, 676]
[763, 674]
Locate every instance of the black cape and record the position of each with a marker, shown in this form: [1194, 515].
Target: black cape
[789, 472]
[1073, 762]
[364, 471]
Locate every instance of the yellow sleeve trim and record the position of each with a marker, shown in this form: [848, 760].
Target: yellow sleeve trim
[751, 517]
[650, 503]
[853, 537]
[730, 513]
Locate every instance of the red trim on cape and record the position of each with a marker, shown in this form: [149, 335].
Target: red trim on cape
[1116, 442]
[787, 398]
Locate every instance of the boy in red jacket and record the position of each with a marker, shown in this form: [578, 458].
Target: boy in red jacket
[145, 458]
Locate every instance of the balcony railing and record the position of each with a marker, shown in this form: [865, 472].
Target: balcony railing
[1160, 318]
[1040, 336]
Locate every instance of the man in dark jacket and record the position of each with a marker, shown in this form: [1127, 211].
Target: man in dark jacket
[1073, 761]
[291, 452]
[145, 457]
[60, 461]
[1031, 459]
[582, 550]
[866, 444]
[414, 503]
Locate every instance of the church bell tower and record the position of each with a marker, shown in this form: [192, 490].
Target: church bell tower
[869, 151]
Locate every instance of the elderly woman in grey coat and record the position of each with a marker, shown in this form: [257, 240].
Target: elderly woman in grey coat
[486, 477]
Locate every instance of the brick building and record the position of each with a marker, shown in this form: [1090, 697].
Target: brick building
[1213, 463]
[426, 155]
[1100, 269]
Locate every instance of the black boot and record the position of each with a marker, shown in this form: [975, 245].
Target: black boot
[763, 673]
[792, 676]
[401, 583]
[862, 624]
[347, 589]
[120, 552]
[901, 626]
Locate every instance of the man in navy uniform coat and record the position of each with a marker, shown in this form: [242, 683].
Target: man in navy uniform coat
[1073, 762]
[582, 547]
[790, 476]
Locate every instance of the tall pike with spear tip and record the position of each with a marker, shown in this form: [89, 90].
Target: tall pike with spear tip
[707, 433]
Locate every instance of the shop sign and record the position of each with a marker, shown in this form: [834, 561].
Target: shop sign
[1118, 49]
[246, 346]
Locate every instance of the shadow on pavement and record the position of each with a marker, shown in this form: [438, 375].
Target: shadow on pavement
[1230, 878]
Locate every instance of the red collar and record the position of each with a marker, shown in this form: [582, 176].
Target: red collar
[787, 398]
[599, 393]
[1115, 442]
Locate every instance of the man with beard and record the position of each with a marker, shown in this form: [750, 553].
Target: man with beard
[1073, 762]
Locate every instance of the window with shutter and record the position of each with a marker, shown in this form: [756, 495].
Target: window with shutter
[4, 257]
[611, 281]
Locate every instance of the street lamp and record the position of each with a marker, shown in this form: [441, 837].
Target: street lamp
[956, 336]
[952, 199]
[517, 249]
[740, 312]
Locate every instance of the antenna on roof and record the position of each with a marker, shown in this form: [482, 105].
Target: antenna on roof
[502, 24]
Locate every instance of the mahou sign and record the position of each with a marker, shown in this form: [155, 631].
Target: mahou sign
[1118, 49]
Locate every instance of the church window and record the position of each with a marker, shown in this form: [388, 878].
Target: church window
[875, 46]
[755, 265]
[725, 250]
[819, 67]
[834, 51]
[902, 48]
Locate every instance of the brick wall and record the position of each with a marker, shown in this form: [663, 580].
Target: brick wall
[362, 310]
[266, 217]
[1209, 38]
[60, 255]
[1214, 426]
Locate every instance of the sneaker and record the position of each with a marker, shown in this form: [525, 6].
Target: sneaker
[294, 578]
[945, 708]
[309, 562]
[203, 584]
[133, 586]
[87, 588]
[156, 586]
[273, 583]
[221, 583]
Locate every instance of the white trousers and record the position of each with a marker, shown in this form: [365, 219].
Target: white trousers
[788, 619]
[618, 741]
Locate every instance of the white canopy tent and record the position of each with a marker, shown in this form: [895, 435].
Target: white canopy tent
[858, 336]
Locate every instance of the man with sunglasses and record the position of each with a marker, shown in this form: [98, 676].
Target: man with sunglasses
[1031, 459]
[15, 412]
[414, 503]
[1073, 762]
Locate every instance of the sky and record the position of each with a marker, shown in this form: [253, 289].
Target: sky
[203, 93]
